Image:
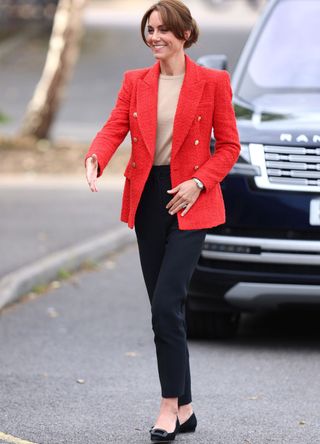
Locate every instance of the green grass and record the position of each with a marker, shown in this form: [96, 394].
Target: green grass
[63, 274]
[4, 118]
[39, 289]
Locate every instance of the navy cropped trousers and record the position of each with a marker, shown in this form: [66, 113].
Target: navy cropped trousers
[168, 258]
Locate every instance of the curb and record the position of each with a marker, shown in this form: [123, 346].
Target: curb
[44, 270]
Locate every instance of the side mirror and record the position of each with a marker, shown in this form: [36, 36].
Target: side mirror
[215, 61]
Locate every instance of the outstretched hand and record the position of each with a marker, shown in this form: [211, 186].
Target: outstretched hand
[186, 194]
[92, 171]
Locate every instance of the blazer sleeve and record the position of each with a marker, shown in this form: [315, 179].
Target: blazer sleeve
[111, 135]
[227, 144]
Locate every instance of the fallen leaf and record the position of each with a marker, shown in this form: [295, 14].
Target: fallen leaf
[52, 312]
[110, 264]
[55, 284]
[132, 354]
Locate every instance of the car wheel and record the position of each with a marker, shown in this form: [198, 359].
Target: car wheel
[212, 325]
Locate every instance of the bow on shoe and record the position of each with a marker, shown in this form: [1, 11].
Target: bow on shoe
[161, 435]
[159, 432]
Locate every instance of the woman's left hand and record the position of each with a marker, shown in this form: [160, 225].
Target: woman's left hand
[186, 194]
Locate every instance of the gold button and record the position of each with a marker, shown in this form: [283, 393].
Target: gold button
[133, 164]
[135, 114]
[196, 142]
[199, 118]
[196, 167]
[135, 139]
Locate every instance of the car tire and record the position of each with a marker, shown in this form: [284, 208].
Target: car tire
[211, 325]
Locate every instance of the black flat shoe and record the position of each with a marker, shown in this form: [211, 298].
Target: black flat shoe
[189, 425]
[161, 435]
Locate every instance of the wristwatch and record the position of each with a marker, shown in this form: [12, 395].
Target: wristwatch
[199, 183]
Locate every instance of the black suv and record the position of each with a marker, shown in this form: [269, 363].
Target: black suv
[267, 255]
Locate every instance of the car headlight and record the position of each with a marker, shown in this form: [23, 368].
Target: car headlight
[243, 166]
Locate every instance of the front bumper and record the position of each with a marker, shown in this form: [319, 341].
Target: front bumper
[250, 295]
[255, 273]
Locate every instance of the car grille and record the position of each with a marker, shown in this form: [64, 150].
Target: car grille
[293, 165]
[287, 167]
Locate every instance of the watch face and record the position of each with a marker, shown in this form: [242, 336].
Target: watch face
[199, 183]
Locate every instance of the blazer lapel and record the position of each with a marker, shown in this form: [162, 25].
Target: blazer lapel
[147, 103]
[190, 95]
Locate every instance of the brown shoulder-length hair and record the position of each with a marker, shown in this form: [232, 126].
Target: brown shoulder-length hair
[176, 17]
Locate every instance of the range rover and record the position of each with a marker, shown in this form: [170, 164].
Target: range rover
[267, 255]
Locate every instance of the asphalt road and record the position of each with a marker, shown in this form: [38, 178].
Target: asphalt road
[260, 388]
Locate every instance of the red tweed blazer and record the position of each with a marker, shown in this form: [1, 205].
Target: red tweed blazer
[204, 104]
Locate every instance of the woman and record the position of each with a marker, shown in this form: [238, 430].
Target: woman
[172, 189]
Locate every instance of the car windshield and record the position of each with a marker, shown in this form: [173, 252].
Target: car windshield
[283, 71]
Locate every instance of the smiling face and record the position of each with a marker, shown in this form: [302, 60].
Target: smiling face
[163, 43]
